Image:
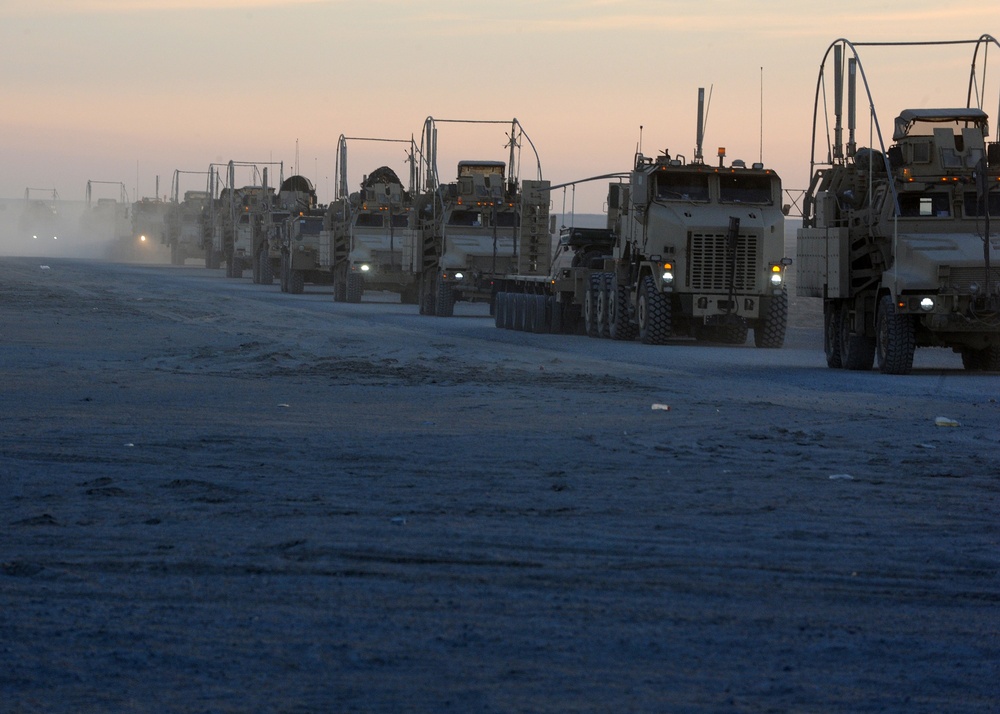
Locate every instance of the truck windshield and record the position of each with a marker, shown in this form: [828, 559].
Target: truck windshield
[400, 220]
[682, 186]
[973, 206]
[738, 188]
[368, 220]
[507, 219]
[465, 218]
[924, 205]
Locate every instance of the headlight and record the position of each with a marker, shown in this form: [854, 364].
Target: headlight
[775, 279]
[365, 267]
[927, 304]
[459, 275]
[974, 288]
[668, 273]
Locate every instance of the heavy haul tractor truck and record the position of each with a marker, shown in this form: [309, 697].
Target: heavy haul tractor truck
[371, 232]
[697, 251]
[897, 240]
[486, 225]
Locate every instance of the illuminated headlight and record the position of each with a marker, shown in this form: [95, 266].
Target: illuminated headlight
[142, 238]
[927, 304]
[668, 273]
[775, 275]
[365, 267]
[459, 275]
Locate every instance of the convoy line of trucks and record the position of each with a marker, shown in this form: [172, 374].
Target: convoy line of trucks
[896, 239]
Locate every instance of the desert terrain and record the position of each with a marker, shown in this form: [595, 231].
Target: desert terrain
[221, 498]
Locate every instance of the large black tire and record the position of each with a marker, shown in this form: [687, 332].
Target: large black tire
[296, 282]
[234, 267]
[265, 273]
[354, 288]
[620, 323]
[831, 333]
[603, 307]
[769, 332]
[555, 310]
[211, 259]
[590, 326]
[982, 360]
[445, 299]
[499, 301]
[895, 339]
[519, 312]
[539, 316]
[857, 352]
[653, 313]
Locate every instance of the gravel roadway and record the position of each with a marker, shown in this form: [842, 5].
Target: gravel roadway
[221, 498]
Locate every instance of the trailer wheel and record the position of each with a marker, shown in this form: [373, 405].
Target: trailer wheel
[831, 334]
[619, 321]
[354, 287]
[984, 360]
[895, 339]
[590, 306]
[857, 352]
[445, 300]
[769, 332]
[603, 306]
[555, 310]
[537, 304]
[653, 313]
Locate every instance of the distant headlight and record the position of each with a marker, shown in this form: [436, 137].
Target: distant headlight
[365, 267]
[459, 275]
[927, 304]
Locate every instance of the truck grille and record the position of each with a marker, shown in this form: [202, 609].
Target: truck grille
[708, 263]
[959, 279]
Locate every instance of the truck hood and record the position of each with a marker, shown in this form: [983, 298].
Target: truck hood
[919, 257]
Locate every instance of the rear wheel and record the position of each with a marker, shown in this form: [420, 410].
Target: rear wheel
[857, 352]
[590, 306]
[831, 333]
[620, 322]
[653, 313]
[982, 360]
[603, 308]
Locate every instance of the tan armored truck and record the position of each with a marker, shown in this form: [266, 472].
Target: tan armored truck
[186, 221]
[485, 226]
[285, 247]
[897, 241]
[235, 216]
[697, 251]
[370, 233]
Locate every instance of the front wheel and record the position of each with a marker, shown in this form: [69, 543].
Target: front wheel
[857, 351]
[831, 334]
[895, 339]
[355, 286]
[264, 271]
[445, 300]
[769, 333]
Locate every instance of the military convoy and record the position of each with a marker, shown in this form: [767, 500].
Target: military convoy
[897, 240]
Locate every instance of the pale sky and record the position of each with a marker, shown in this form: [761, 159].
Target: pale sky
[128, 90]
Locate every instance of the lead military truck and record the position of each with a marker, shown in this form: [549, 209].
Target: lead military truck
[897, 240]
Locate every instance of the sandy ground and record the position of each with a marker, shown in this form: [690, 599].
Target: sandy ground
[222, 498]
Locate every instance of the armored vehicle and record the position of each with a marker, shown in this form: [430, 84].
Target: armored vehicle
[897, 240]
